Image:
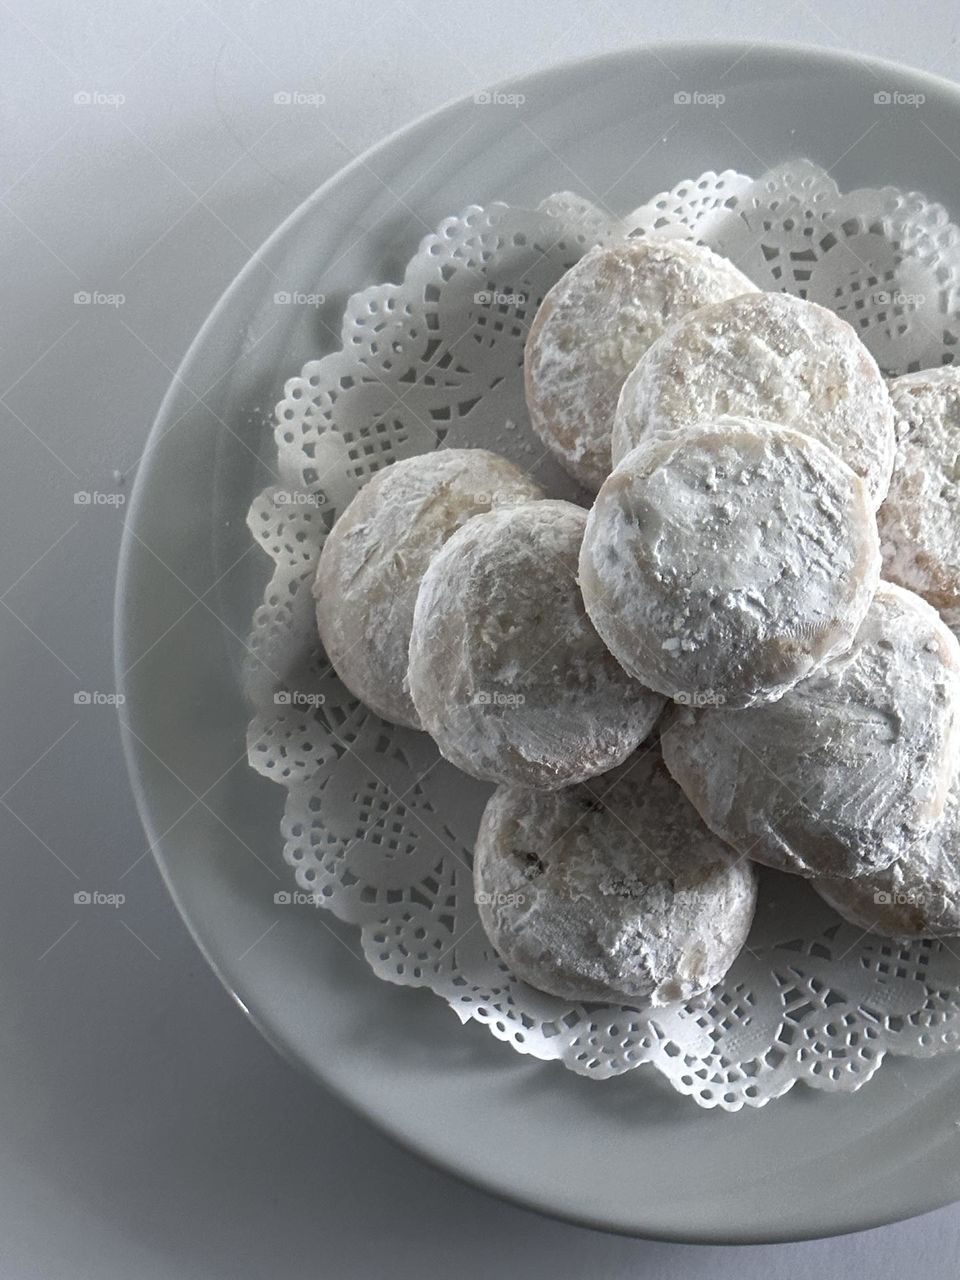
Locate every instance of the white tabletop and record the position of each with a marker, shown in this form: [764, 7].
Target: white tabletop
[145, 1128]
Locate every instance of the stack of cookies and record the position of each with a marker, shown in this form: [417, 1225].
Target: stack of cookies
[737, 651]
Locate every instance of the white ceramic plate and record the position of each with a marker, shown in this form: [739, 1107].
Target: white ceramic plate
[626, 1154]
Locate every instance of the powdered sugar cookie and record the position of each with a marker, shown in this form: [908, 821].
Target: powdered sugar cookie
[730, 559]
[612, 890]
[920, 520]
[843, 774]
[592, 328]
[506, 671]
[918, 896]
[375, 555]
[765, 356]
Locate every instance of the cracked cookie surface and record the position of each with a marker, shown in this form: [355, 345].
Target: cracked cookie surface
[611, 890]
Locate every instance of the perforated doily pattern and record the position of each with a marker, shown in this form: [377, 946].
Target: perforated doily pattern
[377, 827]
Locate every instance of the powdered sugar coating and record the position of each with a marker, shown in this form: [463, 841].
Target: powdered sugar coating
[612, 890]
[728, 561]
[918, 896]
[920, 520]
[592, 328]
[506, 670]
[843, 774]
[375, 555]
[766, 356]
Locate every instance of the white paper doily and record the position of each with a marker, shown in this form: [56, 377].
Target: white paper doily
[377, 827]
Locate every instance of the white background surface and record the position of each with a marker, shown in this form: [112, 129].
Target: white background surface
[145, 1129]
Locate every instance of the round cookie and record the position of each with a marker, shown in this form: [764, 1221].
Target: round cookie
[506, 671]
[918, 896]
[841, 776]
[920, 520]
[611, 890]
[766, 356]
[376, 553]
[592, 328]
[728, 561]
